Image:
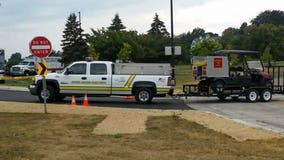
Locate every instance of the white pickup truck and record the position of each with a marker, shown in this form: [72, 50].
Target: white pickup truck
[104, 78]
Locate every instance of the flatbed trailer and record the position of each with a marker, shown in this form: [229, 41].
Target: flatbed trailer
[276, 73]
[235, 73]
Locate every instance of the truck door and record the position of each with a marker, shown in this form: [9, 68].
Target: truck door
[74, 78]
[100, 79]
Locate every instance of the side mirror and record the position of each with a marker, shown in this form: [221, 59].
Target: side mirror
[67, 72]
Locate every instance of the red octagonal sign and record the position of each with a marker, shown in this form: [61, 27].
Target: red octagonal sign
[40, 47]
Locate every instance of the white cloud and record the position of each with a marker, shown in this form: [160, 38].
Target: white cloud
[22, 20]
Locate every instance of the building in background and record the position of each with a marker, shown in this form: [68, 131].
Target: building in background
[2, 61]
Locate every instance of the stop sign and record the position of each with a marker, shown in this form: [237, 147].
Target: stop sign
[40, 47]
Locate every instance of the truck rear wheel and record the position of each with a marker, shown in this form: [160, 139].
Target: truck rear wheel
[144, 96]
[50, 94]
[252, 95]
[266, 95]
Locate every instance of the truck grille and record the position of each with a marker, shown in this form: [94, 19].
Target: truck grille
[16, 69]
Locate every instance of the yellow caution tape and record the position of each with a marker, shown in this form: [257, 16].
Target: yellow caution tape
[15, 78]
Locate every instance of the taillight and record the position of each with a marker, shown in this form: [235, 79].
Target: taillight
[171, 82]
[204, 72]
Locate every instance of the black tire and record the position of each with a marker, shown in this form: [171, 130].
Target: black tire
[144, 96]
[252, 95]
[266, 95]
[218, 87]
[50, 94]
[26, 73]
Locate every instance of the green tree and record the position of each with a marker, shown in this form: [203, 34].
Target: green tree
[275, 17]
[205, 47]
[55, 53]
[73, 44]
[124, 53]
[92, 51]
[268, 34]
[266, 57]
[116, 24]
[158, 27]
[14, 59]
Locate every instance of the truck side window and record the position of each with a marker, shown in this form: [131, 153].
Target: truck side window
[79, 68]
[98, 69]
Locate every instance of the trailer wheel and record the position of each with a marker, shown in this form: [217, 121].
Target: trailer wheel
[266, 95]
[218, 87]
[50, 94]
[252, 95]
[144, 96]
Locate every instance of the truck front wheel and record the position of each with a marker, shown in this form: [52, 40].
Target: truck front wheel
[144, 96]
[50, 94]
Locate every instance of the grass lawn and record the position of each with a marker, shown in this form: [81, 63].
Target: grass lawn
[183, 76]
[19, 83]
[63, 136]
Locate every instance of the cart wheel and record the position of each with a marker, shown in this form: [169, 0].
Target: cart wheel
[218, 87]
[252, 95]
[221, 96]
[266, 95]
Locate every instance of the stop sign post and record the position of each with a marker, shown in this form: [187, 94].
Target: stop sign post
[41, 48]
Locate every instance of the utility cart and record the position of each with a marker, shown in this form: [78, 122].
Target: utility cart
[233, 73]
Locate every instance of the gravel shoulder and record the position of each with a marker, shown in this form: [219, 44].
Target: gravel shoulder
[132, 121]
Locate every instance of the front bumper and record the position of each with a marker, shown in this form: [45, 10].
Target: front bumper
[33, 89]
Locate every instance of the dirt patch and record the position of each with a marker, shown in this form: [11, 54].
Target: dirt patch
[127, 121]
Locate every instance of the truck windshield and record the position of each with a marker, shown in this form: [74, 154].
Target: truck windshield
[24, 63]
[255, 64]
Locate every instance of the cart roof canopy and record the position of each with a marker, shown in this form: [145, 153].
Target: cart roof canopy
[241, 52]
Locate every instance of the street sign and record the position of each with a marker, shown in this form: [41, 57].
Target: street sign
[42, 68]
[168, 50]
[40, 47]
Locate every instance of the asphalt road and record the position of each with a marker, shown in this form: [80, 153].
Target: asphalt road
[15, 95]
[260, 114]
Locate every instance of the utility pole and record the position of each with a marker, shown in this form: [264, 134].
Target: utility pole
[172, 42]
[79, 13]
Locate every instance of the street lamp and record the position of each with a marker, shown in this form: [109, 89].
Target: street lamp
[172, 42]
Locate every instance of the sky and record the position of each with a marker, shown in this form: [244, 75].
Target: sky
[22, 20]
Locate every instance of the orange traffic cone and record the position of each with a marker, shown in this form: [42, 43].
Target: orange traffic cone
[129, 97]
[85, 102]
[73, 102]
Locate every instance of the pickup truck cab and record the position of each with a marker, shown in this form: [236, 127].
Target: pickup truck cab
[104, 78]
